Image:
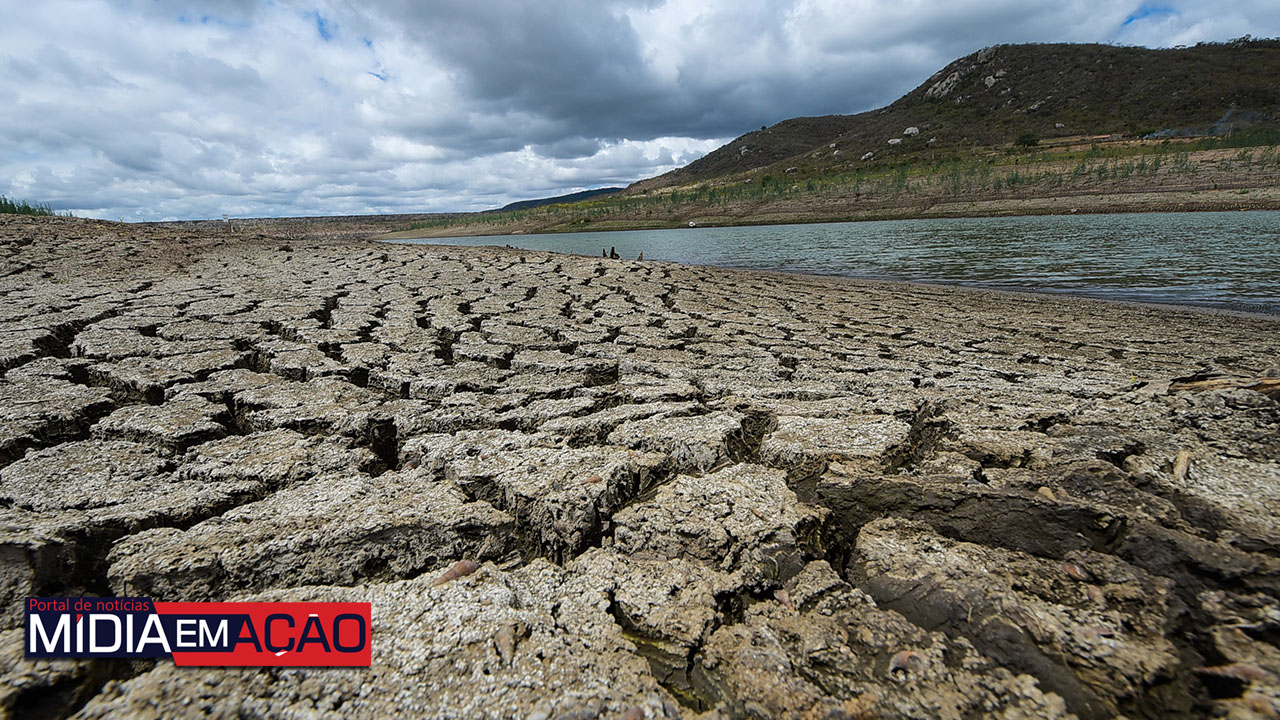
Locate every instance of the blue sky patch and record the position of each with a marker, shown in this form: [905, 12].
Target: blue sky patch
[323, 26]
[1146, 11]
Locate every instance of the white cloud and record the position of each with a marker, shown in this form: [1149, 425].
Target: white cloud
[149, 109]
[1179, 22]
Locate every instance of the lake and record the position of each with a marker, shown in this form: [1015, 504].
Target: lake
[1227, 260]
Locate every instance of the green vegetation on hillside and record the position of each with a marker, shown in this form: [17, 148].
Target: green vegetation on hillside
[1013, 172]
[22, 207]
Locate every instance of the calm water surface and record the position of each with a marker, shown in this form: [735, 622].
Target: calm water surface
[1228, 260]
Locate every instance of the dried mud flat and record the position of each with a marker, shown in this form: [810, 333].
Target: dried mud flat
[690, 492]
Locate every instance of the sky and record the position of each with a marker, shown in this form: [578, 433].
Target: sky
[182, 109]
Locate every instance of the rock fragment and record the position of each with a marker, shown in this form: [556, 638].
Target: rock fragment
[332, 530]
[837, 655]
[540, 484]
[177, 424]
[739, 519]
[805, 442]
[45, 410]
[696, 443]
[1103, 661]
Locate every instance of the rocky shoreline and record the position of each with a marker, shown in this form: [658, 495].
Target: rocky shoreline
[689, 492]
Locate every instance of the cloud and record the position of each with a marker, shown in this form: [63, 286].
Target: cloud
[1179, 22]
[151, 109]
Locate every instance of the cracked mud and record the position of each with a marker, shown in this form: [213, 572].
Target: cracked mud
[690, 492]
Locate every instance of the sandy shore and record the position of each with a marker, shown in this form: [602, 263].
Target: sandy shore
[691, 492]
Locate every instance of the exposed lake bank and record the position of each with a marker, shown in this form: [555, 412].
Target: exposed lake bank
[1104, 204]
[690, 490]
[1218, 260]
[994, 183]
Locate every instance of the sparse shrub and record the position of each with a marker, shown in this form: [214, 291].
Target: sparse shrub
[22, 207]
[1027, 139]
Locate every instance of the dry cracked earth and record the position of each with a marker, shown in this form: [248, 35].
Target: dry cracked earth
[689, 492]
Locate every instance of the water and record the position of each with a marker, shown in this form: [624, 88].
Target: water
[1228, 260]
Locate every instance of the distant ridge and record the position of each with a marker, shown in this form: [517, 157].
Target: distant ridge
[571, 197]
[998, 94]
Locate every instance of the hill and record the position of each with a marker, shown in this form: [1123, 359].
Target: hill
[1006, 92]
[1011, 129]
[571, 197]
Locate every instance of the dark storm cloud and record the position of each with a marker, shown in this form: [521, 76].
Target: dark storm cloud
[568, 148]
[641, 70]
[147, 109]
[583, 65]
[549, 57]
[579, 67]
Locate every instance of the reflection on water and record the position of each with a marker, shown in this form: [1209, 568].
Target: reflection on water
[1226, 259]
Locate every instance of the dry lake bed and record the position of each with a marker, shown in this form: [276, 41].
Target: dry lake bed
[688, 492]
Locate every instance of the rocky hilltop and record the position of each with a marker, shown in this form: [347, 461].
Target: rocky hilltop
[1008, 130]
[686, 492]
[1043, 91]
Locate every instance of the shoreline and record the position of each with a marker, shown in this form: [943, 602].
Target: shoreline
[678, 490]
[1108, 294]
[1064, 296]
[1226, 200]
